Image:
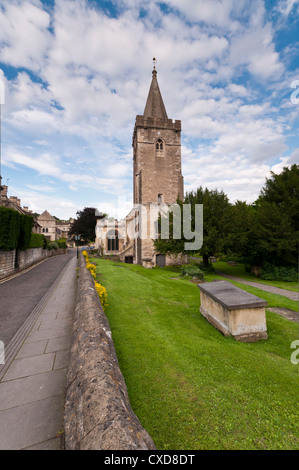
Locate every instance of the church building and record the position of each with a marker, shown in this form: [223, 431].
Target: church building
[157, 182]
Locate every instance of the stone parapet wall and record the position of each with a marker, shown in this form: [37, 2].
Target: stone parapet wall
[158, 123]
[98, 414]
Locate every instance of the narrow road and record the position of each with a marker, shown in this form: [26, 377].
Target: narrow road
[20, 295]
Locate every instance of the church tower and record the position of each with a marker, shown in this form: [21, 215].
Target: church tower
[157, 176]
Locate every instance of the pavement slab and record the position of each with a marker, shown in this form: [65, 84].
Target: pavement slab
[33, 380]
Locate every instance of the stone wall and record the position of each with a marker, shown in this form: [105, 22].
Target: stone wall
[25, 258]
[29, 257]
[98, 414]
[7, 263]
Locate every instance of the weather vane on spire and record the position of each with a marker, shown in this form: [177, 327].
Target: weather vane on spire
[154, 69]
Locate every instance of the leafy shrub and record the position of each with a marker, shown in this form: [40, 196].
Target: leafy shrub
[206, 269]
[53, 246]
[36, 240]
[61, 243]
[45, 242]
[278, 273]
[192, 270]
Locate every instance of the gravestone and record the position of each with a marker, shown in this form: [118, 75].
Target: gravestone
[233, 311]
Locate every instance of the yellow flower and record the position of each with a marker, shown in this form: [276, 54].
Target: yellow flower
[102, 292]
[99, 288]
[92, 269]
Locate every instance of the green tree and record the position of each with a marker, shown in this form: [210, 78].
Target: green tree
[273, 231]
[277, 219]
[215, 210]
[170, 245]
[276, 238]
[85, 224]
[283, 190]
[239, 223]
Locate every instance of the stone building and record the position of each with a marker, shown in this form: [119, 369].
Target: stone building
[52, 228]
[48, 225]
[63, 228]
[157, 181]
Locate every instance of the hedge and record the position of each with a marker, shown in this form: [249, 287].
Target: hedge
[36, 240]
[61, 242]
[25, 231]
[9, 228]
[15, 229]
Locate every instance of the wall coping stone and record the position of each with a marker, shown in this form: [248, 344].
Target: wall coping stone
[98, 414]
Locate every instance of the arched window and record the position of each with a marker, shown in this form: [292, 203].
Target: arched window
[112, 240]
[159, 145]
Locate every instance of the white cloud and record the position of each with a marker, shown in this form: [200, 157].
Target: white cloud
[57, 205]
[286, 6]
[46, 164]
[255, 49]
[42, 188]
[238, 90]
[91, 77]
[212, 12]
[24, 36]
[293, 158]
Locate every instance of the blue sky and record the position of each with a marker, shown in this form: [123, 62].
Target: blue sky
[77, 72]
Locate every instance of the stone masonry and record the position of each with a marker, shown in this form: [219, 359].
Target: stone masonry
[157, 182]
[157, 172]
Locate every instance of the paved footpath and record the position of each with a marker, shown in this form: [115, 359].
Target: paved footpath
[21, 293]
[33, 378]
[274, 290]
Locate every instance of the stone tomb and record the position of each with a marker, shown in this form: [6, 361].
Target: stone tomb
[233, 311]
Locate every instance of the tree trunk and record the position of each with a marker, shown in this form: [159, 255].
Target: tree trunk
[205, 260]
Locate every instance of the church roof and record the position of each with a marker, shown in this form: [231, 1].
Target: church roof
[154, 105]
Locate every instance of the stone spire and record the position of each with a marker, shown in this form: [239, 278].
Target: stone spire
[154, 105]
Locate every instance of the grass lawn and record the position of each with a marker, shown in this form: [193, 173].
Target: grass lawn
[191, 387]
